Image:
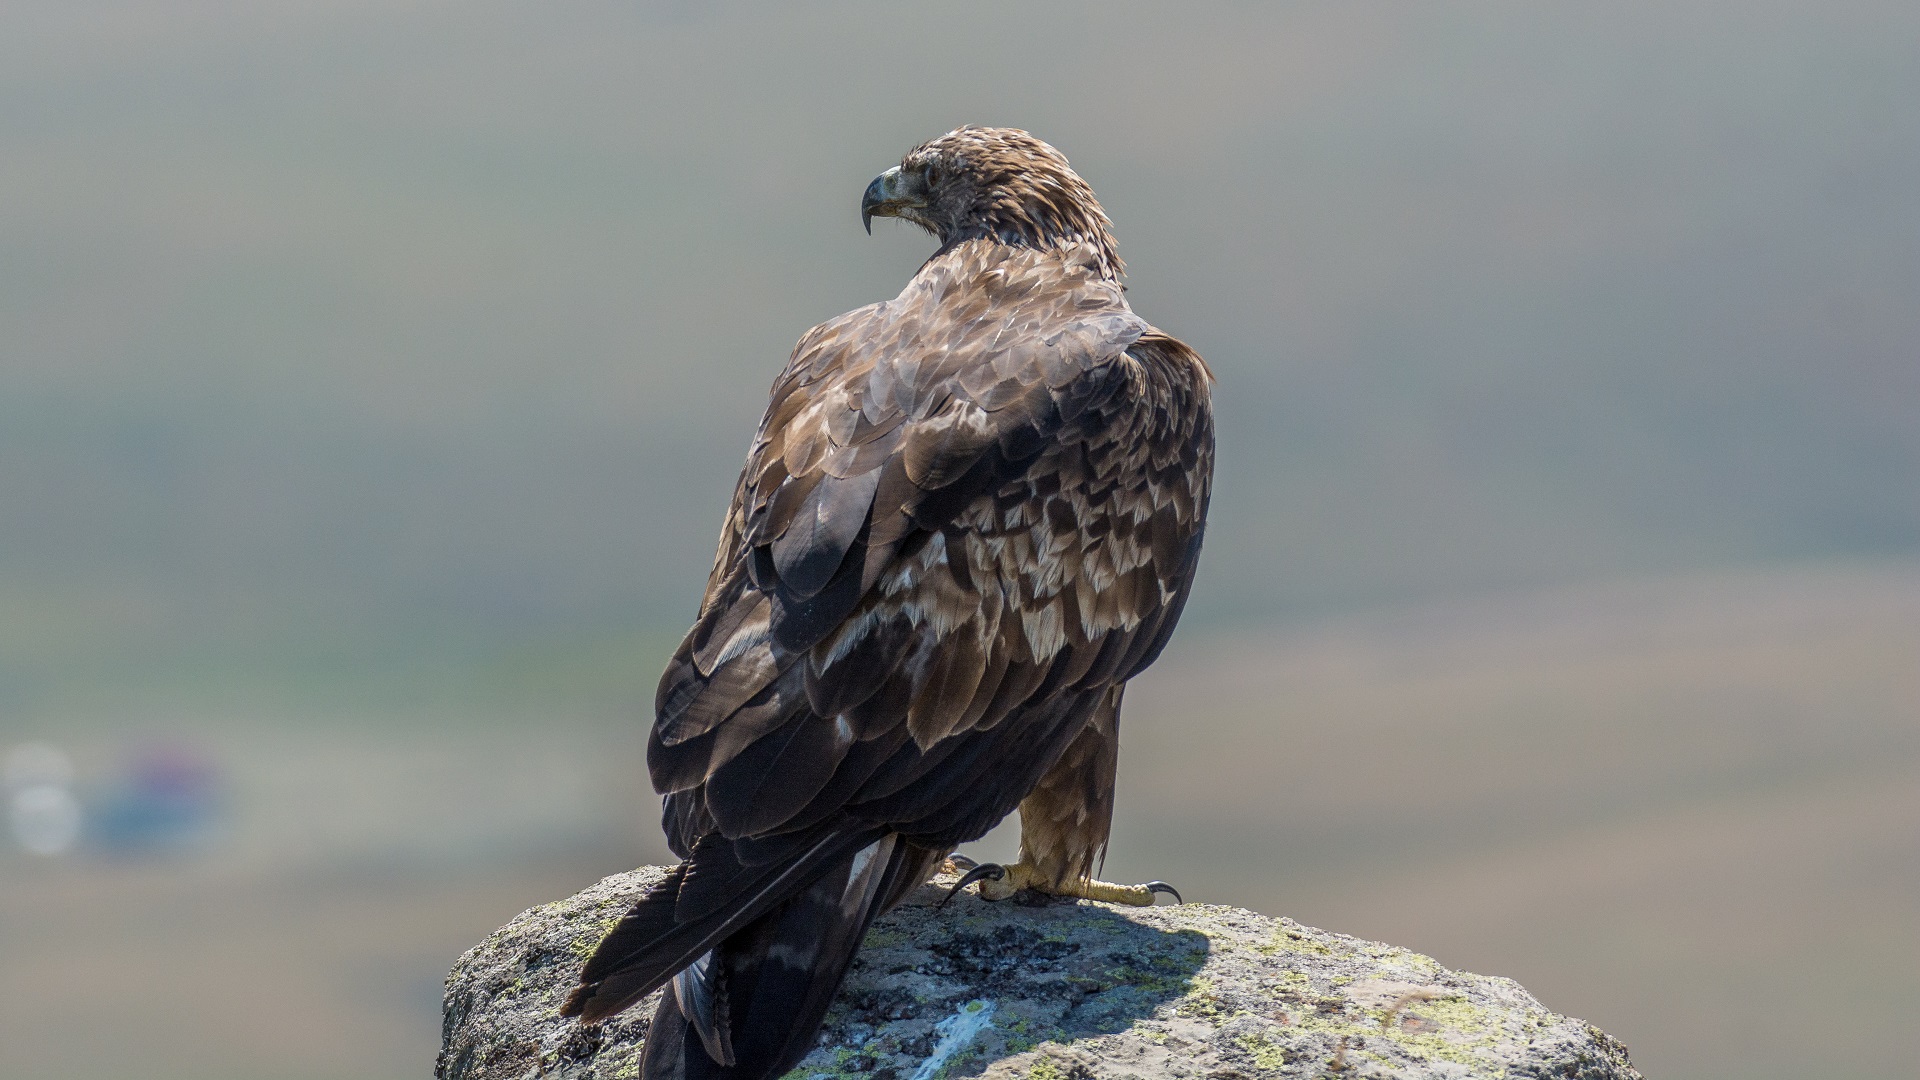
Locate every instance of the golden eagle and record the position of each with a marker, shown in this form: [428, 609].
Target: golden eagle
[969, 516]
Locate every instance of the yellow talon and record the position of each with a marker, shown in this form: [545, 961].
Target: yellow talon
[1009, 880]
[1133, 895]
[1016, 877]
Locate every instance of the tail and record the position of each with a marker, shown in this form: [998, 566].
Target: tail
[755, 956]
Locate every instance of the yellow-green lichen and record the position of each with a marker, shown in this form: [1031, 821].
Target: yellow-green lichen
[1161, 975]
[1019, 1035]
[1201, 1002]
[1465, 1030]
[1456, 1013]
[583, 946]
[1266, 1056]
[1287, 939]
[961, 1063]
[1294, 982]
[1045, 1069]
[1420, 962]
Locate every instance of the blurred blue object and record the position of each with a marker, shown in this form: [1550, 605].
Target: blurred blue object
[172, 801]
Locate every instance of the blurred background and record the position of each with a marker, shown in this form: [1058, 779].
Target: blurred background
[374, 373]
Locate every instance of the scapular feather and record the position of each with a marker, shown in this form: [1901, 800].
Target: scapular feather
[814, 547]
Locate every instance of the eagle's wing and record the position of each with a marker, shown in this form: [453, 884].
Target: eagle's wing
[929, 536]
[954, 531]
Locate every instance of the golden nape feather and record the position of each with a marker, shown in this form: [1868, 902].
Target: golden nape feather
[969, 516]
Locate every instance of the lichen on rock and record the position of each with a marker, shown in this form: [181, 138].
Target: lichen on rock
[1065, 991]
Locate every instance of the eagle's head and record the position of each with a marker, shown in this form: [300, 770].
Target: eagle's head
[998, 183]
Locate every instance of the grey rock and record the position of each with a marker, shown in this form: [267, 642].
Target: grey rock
[1062, 991]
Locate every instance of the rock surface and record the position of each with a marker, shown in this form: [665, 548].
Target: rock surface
[1055, 992]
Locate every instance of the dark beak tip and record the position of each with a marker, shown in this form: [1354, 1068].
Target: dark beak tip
[872, 199]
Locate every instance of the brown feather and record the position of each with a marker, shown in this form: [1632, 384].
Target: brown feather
[807, 555]
[943, 698]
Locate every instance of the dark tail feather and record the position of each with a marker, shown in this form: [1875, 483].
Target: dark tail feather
[703, 901]
[772, 981]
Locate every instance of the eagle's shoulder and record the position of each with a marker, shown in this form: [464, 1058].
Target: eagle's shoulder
[976, 325]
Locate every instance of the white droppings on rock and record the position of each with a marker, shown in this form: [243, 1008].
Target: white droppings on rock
[956, 1033]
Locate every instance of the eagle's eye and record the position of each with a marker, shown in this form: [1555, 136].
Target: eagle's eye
[932, 176]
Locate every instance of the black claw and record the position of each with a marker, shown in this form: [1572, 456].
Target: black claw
[980, 870]
[963, 862]
[1163, 887]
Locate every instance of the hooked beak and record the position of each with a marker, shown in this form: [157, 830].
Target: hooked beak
[886, 197]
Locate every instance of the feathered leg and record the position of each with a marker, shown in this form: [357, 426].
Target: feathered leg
[1064, 823]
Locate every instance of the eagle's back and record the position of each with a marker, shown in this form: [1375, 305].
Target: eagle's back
[981, 500]
[967, 514]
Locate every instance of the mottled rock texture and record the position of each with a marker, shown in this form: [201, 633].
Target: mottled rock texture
[1053, 992]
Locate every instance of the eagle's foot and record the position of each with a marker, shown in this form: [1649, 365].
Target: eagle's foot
[997, 882]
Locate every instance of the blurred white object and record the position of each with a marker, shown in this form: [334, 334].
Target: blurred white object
[45, 818]
[36, 763]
